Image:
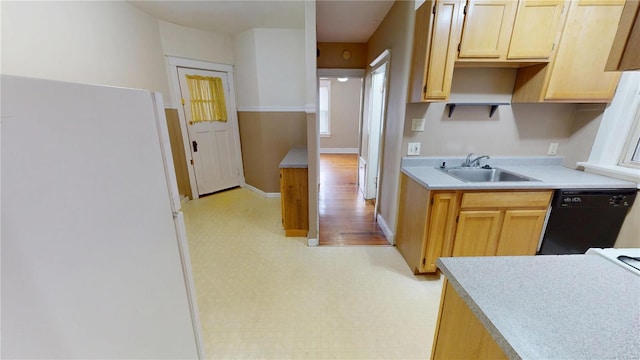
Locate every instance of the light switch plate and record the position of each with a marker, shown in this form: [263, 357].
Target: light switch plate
[553, 149]
[414, 149]
[417, 125]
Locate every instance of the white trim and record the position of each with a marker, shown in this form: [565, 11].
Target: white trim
[618, 172]
[380, 59]
[338, 150]
[173, 62]
[311, 109]
[359, 73]
[313, 242]
[260, 192]
[272, 108]
[388, 234]
[197, 64]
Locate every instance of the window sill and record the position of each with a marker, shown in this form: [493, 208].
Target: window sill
[325, 135]
[618, 172]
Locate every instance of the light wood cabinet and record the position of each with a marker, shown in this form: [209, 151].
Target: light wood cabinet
[500, 223]
[437, 223]
[459, 333]
[510, 31]
[487, 28]
[436, 36]
[536, 28]
[576, 72]
[625, 51]
[438, 240]
[477, 233]
[294, 200]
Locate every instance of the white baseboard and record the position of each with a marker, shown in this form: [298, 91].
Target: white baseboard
[313, 242]
[388, 234]
[260, 192]
[338, 150]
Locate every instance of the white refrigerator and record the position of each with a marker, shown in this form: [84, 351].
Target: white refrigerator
[94, 257]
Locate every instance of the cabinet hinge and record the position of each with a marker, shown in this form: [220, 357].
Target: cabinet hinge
[459, 46]
[424, 89]
[457, 218]
[191, 161]
[182, 101]
[434, 10]
[553, 46]
[431, 201]
[464, 11]
[424, 261]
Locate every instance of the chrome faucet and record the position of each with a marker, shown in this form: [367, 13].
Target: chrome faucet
[475, 162]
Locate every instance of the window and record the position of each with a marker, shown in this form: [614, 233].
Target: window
[631, 153]
[324, 107]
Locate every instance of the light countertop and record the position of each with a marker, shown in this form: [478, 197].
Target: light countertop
[548, 170]
[553, 306]
[295, 158]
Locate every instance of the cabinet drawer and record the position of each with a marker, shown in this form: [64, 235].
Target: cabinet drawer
[507, 199]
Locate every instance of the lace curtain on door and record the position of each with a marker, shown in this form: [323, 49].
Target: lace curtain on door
[207, 98]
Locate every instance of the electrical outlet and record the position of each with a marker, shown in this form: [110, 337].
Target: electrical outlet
[414, 149]
[553, 149]
[417, 125]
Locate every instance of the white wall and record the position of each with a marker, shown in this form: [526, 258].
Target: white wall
[101, 42]
[344, 114]
[273, 79]
[196, 44]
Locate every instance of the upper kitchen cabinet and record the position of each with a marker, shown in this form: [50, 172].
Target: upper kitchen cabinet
[576, 73]
[487, 29]
[625, 52]
[436, 37]
[509, 31]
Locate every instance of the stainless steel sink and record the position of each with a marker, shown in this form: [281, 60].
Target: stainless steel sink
[473, 174]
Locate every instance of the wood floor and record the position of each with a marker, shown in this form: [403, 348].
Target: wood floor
[345, 217]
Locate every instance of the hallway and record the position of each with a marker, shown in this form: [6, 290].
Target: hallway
[346, 218]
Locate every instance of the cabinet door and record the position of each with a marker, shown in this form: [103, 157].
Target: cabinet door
[487, 28]
[578, 69]
[442, 216]
[435, 38]
[536, 26]
[521, 230]
[477, 233]
[442, 55]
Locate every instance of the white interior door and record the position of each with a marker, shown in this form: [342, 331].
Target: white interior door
[213, 147]
[376, 118]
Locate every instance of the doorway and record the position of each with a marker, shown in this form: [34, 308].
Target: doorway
[203, 93]
[345, 217]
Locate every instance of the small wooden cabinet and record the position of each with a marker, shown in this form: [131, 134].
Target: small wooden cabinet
[294, 193]
[437, 223]
[577, 71]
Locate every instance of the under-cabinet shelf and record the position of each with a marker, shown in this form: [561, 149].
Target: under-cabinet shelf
[492, 106]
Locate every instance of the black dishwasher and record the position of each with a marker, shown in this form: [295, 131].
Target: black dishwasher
[584, 218]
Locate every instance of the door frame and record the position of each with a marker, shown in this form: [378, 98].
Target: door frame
[382, 59]
[173, 63]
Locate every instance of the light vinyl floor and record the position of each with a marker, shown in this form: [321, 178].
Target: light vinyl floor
[262, 295]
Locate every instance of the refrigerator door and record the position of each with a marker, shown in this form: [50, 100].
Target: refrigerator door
[90, 261]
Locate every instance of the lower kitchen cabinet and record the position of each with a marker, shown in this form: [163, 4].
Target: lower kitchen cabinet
[500, 223]
[437, 223]
[459, 333]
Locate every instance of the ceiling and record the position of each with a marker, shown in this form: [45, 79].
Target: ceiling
[336, 21]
